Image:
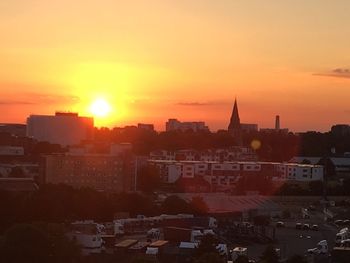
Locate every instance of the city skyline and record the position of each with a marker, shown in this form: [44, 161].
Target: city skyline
[188, 60]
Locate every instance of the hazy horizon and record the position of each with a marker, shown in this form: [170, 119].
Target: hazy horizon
[154, 60]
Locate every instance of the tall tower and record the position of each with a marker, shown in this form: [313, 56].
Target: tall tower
[234, 128]
[277, 123]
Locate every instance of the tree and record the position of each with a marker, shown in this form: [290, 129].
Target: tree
[175, 205]
[242, 259]
[261, 220]
[209, 258]
[198, 205]
[269, 255]
[286, 214]
[296, 259]
[148, 178]
[316, 187]
[38, 243]
[207, 245]
[25, 243]
[62, 249]
[142, 259]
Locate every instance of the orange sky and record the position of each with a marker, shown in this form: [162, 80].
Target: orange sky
[154, 60]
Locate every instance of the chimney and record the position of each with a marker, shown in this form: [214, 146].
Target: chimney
[277, 122]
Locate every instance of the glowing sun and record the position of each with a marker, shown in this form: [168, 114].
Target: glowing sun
[100, 108]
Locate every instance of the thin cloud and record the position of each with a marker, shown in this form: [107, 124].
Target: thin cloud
[13, 102]
[43, 98]
[39, 99]
[201, 104]
[336, 73]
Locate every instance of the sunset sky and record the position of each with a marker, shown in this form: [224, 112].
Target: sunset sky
[154, 60]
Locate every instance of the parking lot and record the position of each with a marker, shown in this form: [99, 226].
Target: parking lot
[292, 241]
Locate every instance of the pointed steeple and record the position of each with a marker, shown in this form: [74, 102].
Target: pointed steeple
[234, 128]
[235, 123]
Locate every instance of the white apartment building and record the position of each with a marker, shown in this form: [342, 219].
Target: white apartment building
[228, 173]
[210, 155]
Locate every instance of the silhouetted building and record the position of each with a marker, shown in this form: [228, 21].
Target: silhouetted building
[234, 128]
[144, 126]
[195, 126]
[13, 128]
[277, 127]
[249, 127]
[62, 128]
[340, 129]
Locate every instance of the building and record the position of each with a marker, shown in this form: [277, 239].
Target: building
[11, 150]
[235, 153]
[175, 125]
[340, 130]
[19, 170]
[18, 185]
[277, 128]
[234, 128]
[249, 127]
[110, 172]
[13, 128]
[62, 128]
[339, 166]
[144, 126]
[224, 175]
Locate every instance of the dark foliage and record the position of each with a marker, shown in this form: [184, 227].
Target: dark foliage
[37, 243]
[207, 246]
[148, 179]
[175, 205]
[269, 255]
[296, 259]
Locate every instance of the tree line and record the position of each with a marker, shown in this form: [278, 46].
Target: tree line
[62, 203]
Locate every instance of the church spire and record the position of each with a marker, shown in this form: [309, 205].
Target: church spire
[235, 121]
[234, 128]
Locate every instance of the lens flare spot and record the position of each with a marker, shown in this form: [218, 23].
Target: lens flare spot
[255, 144]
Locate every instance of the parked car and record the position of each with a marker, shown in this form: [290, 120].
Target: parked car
[298, 226]
[338, 222]
[346, 222]
[314, 227]
[306, 226]
[280, 224]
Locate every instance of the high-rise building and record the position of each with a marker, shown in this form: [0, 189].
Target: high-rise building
[62, 128]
